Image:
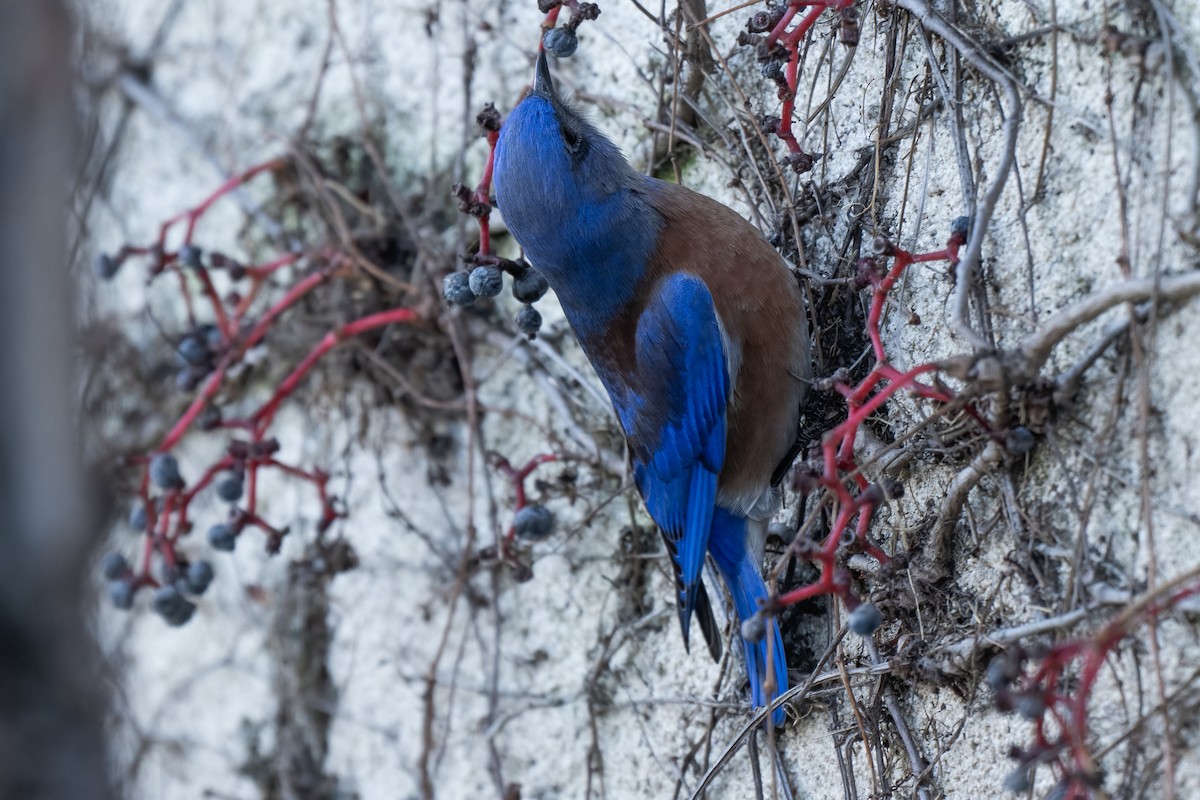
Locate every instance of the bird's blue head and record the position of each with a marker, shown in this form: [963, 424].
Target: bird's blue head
[568, 195]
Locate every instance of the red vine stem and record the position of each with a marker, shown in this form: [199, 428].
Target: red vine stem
[193, 215]
[262, 418]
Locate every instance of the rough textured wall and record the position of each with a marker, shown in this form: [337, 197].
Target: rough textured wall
[421, 671]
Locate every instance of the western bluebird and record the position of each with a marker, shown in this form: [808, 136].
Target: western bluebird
[695, 327]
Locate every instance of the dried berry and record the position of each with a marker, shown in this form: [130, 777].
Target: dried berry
[489, 118]
[800, 162]
[769, 124]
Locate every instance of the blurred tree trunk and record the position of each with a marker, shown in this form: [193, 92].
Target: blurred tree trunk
[51, 711]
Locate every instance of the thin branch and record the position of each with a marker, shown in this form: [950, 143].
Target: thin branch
[978, 58]
[1036, 349]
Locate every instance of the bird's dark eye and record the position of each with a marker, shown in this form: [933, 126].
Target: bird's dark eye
[570, 137]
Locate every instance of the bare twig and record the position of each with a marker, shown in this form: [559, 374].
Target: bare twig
[978, 58]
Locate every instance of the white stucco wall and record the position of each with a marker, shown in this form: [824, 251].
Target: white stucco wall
[240, 75]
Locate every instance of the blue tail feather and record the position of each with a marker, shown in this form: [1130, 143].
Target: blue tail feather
[739, 568]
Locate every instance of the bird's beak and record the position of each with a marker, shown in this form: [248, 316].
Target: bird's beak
[541, 76]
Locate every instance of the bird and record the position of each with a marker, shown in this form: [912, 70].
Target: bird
[696, 328]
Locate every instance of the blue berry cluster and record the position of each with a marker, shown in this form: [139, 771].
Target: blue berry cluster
[173, 599]
[195, 355]
[486, 281]
[116, 571]
[187, 579]
[197, 351]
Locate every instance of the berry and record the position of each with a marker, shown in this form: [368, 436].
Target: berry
[530, 287]
[173, 606]
[529, 321]
[114, 566]
[211, 336]
[164, 471]
[229, 488]
[560, 42]
[222, 537]
[120, 593]
[873, 494]
[1017, 781]
[1002, 671]
[865, 619]
[1059, 792]
[486, 281]
[186, 380]
[1019, 440]
[209, 418]
[456, 288]
[199, 575]
[194, 351]
[106, 266]
[961, 226]
[137, 517]
[1031, 706]
[189, 256]
[754, 628]
[534, 523]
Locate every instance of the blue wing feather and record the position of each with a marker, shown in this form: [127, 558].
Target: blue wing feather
[677, 436]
